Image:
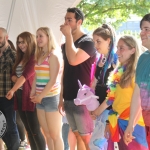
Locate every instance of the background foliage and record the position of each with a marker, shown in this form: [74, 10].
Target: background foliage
[111, 11]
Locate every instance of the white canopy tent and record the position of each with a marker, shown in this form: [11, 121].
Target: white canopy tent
[28, 15]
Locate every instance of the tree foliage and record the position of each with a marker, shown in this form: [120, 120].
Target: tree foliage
[112, 11]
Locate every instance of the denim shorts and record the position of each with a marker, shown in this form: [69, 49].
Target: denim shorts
[49, 104]
[79, 118]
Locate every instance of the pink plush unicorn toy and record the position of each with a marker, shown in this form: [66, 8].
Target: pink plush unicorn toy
[86, 97]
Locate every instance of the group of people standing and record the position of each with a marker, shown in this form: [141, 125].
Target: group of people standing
[40, 81]
[30, 83]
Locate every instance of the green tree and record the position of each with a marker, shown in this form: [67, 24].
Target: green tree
[112, 11]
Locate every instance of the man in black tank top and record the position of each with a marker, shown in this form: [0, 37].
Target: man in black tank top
[79, 54]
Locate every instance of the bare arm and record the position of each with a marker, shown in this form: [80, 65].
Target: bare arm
[75, 55]
[61, 102]
[14, 78]
[20, 81]
[33, 90]
[100, 109]
[93, 85]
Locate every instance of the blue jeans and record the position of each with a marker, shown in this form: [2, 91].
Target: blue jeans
[65, 131]
[11, 137]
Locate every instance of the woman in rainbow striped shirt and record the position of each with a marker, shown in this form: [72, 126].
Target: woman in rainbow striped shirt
[46, 87]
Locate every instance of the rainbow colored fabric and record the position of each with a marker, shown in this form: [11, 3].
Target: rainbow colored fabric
[120, 121]
[120, 99]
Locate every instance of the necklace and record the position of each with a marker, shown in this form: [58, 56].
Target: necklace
[113, 80]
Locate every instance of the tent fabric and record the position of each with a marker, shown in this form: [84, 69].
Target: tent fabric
[28, 15]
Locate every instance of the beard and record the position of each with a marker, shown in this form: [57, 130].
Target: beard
[2, 44]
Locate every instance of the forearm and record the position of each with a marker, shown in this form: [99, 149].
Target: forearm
[100, 109]
[70, 48]
[47, 88]
[20, 81]
[139, 114]
[93, 85]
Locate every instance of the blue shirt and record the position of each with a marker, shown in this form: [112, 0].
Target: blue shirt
[143, 79]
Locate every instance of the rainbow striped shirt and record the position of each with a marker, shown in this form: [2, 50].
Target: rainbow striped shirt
[43, 77]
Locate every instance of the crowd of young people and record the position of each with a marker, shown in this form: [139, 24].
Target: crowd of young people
[40, 81]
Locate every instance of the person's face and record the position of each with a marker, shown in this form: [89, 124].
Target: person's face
[22, 45]
[70, 19]
[145, 34]
[124, 52]
[2, 39]
[101, 45]
[41, 38]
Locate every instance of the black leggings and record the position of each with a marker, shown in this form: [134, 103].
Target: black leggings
[30, 121]
[20, 126]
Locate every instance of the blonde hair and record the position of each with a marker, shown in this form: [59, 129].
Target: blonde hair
[127, 76]
[51, 42]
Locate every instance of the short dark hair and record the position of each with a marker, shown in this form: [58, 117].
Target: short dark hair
[78, 13]
[145, 18]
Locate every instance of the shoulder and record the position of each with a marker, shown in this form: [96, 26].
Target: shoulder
[56, 54]
[85, 39]
[86, 44]
[144, 55]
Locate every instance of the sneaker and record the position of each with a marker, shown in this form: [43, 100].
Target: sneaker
[23, 144]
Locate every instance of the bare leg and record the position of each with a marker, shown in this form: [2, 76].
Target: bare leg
[43, 123]
[86, 140]
[80, 143]
[72, 140]
[55, 126]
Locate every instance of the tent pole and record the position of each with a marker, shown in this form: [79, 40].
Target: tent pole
[10, 15]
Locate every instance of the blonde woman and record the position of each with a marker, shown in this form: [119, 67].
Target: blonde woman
[46, 87]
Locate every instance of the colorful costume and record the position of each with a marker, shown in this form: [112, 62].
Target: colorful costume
[120, 99]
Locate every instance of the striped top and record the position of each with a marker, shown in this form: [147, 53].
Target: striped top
[19, 72]
[43, 77]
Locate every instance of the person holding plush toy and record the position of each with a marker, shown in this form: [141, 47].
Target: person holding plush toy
[104, 40]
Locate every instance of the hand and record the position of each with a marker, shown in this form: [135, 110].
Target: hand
[127, 137]
[65, 29]
[36, 99]
[10, 94]
[92, 115]
[61, 108]
[107, 131]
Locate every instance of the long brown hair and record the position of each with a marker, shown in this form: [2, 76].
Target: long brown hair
[51, 42]
[106, 31]
[129, 73]
[29, 40]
